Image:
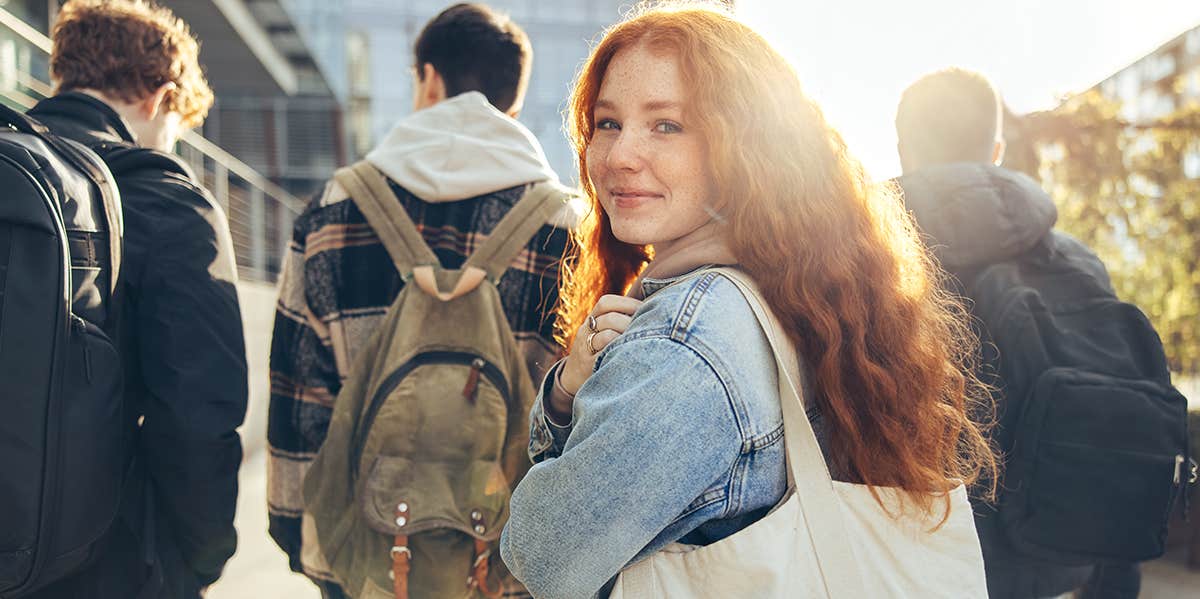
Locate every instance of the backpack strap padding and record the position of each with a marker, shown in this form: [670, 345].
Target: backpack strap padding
[374, 197]
[517, 227]
[98, 174]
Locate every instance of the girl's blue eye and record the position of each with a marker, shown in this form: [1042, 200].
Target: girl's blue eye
[667, 127]
[608, 124]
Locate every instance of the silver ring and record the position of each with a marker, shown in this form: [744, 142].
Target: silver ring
[590, 339]
[591, 322]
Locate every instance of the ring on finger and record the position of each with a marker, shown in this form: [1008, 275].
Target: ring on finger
[591, 338]
[591, 322]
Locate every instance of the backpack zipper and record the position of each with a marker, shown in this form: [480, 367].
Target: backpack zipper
[81, 328]
[1185, 475]
[479, 366]
[473, 380]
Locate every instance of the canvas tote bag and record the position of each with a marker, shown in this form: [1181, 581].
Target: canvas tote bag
[826, 539]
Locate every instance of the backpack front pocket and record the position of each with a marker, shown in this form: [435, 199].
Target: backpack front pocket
[470, 497]
[1094, 469]
[443, 406]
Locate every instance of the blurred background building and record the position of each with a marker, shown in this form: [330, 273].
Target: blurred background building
[306, 86]
[274, 133]
[1159, 84]
[365, 49]
[275, 108]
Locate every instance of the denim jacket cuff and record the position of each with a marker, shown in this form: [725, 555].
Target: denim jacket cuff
[546, 438]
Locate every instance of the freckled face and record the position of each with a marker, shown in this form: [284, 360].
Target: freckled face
[647, 158]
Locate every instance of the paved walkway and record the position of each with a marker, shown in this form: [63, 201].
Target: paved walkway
[259, 569]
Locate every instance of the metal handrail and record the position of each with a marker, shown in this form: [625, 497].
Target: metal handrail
[23, 29]
[241, 169]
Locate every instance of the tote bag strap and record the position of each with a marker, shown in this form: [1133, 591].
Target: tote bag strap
[819, 502]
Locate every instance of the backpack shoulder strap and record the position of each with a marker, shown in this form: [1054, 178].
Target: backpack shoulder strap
[513, 232]
[374, 197]
[128, 160]
[76, 155]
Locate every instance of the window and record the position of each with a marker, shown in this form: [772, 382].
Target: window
[1109, 88]
[1128, 86]
[1153, 105]
[1191, 83]
[1191, 164]
[1193, 42]
[8, 65]
[1157, 67]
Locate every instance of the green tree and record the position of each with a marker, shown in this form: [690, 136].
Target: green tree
[1124, 190]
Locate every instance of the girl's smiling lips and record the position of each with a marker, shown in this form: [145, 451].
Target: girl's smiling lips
[630, 197]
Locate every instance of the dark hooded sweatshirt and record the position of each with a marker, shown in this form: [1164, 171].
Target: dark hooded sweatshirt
[974, 215]
[180, 335]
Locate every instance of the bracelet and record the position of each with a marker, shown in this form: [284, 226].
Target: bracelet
[556, 417]
[558, 383]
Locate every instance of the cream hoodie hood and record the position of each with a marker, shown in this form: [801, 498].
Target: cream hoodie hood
[460, 148]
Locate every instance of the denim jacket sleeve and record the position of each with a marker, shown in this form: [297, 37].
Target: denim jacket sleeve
[642, 447]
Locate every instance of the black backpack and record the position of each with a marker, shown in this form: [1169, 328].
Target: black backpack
[1094, 435]
[65, 435]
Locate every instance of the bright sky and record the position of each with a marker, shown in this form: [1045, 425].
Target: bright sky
[855, 57]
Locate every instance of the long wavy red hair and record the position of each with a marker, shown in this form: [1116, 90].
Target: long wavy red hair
[838, 260]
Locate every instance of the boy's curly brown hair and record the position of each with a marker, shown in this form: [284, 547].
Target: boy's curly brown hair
[126, 49]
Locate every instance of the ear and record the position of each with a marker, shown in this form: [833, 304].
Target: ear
[998, 152]
[514, 111]
[433, 87]
[150, 105]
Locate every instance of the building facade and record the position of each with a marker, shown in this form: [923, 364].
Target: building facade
[1159, 84]
[275, 108]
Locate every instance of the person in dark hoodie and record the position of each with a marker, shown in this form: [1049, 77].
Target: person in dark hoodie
[457, 164]
[128, 84]
[975, 213]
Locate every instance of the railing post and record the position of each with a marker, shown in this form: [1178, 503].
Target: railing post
[258, 234]
[8, 65]
[221, 184]
[283, 230]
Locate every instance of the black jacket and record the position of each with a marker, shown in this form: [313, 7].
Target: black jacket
[180, 334]
[974, 215]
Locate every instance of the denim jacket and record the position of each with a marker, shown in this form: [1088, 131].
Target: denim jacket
[677, 436]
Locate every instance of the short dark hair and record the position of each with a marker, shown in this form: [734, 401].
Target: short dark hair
[477, 49]
[949, 116]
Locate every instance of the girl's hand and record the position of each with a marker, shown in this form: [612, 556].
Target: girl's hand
[607, 321]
